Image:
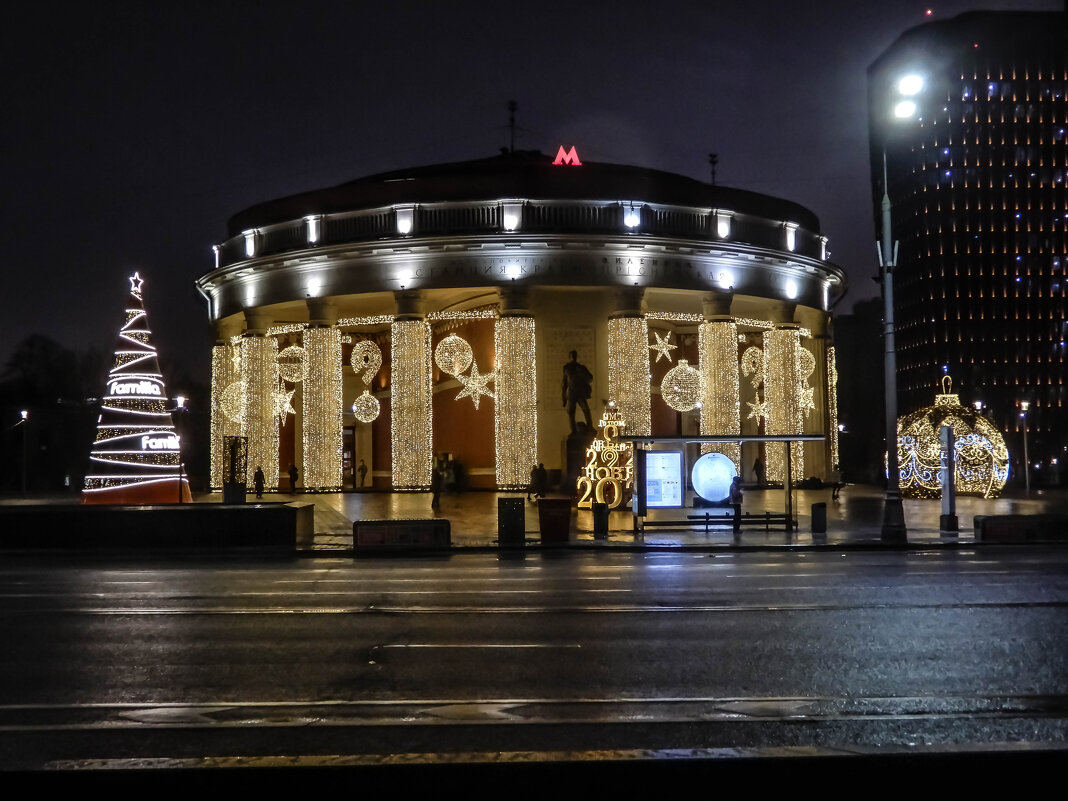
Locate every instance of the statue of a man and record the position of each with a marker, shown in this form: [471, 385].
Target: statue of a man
[577, 390]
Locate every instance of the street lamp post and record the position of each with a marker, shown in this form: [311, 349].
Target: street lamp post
[179, 408]
[1024, 406]
[25, 414]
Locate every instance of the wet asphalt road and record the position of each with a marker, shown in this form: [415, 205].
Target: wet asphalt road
[613, 662]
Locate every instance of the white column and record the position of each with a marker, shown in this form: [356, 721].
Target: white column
[515, 407]
[321, 405]
[411, 410]
[720, 401]
[259, 371]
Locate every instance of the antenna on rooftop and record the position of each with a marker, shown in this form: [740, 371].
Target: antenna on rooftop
[511, 124]
[713, 160]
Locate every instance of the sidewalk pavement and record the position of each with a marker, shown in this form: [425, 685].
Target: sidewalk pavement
[854, 519]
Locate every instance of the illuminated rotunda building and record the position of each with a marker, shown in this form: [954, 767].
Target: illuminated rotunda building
[431, 310]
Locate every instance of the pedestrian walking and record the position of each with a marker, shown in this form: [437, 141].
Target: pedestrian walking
[541, 480]
[258, 481]
[736, 502]
[836, 482]
[758, 470]
[292, 478]
[361, 471]
[533, 483]
[436, 479]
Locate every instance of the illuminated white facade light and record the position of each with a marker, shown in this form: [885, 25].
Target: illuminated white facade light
[312, 221]
[513, 271]
[405, 220]
[904, 109]
[791, 235]
[250, 296]
[250, 242]
[791, 288]
[910, 85]
[215, 250]
[511, 216]
[824, 255]
[723, 224]
[314, 286]
[725, 279]
[632, 217]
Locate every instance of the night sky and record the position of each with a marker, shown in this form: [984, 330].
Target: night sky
[131, 132]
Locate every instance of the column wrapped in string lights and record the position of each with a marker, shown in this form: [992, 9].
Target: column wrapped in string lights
[628, 372]
[411, 404]
[322, 408]
[720, 402]
[225, 370]
[259, 371]
[515, 411]
[832, 403]
[782, 396]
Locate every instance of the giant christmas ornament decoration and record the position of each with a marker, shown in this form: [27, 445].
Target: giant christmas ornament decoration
[980, 455]
[453, 355]
[293, 364]
[366, 407]
[136, 457]
[366, 360]
[681, 387]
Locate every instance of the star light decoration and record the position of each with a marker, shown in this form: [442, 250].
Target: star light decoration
[475, 384]
[283, 401]
[453, 355]
[662, 346]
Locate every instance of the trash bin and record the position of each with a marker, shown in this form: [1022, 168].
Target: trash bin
[511, 522]
[554, 520]
[600, 521]
[819, 518]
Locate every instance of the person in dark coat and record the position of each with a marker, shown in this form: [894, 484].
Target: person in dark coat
[292, 478]
[258, 481]
[541, 481]
[436, 479]
[736, 502]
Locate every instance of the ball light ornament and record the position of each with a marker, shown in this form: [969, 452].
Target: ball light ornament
[366, 360]
[366, 407]
[681, 387]
[453, 355]
[232, 401]
[292, 364]
[980, 456]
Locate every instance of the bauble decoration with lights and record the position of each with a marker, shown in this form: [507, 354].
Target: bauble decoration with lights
[292, 364]
[366, 408]
[980, 455]
[681, 387]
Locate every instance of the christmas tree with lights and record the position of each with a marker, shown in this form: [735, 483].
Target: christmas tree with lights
[136, 458]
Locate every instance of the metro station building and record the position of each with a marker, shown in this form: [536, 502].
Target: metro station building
[431, 310]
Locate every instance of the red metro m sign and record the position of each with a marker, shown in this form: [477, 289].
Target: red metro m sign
[569, 158]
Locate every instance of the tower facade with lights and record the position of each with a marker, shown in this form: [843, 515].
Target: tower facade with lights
[972, 116]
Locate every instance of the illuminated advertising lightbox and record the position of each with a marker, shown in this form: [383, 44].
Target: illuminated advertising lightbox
[663, 479]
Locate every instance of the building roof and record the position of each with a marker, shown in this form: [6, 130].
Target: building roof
[522, 174]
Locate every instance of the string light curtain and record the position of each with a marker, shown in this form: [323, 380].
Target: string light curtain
[259, 371]
[782, 388]
[322, 408]
[411, 418]
[225, 370]
[832, 403]
[720, 402]
[628, 372]
[515, 411]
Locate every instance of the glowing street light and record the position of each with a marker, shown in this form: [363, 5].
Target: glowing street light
[1024, 406]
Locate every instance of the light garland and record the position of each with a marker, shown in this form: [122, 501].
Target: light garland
[832, 403]
[321, 417]
[484, 313]
[783, 400]
[232, 400]
[628, 372]
[515, 412]
[136, 456]
[375, 319]
[681, 387]
[675, 317]
[411, 423]
[292, 364]
[286, 328]
[720, 401]
[259, 372]
[225, 370]
[981, 460]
